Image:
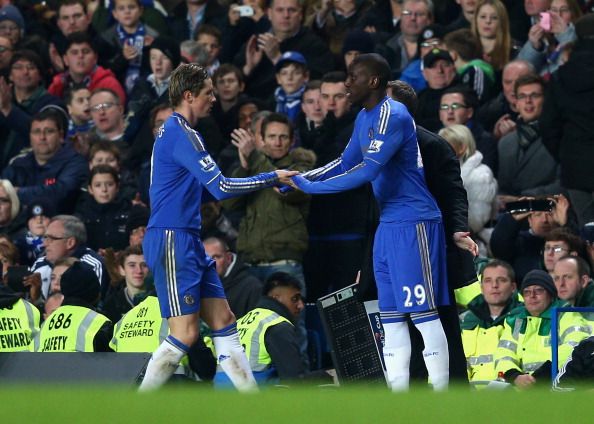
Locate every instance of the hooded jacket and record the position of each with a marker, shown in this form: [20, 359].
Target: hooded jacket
[98, 78]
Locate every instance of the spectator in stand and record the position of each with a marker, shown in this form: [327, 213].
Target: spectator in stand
[526, 168]
[355, 43]
[238, 29]
[478, 179]
[124, 44]
[80, 57]
[543, 48]
[72, 17]
[430, 38]
[192, 52]
[440, 73]
[24, 97]
[567, 121]
[65, 237]
[382, 20]
[107, 112]
[104, 152]
[573, 281]
[458, 106]
[6, 52]
[403, 47]
[12, 221]
[332, 20]
[188, 16]
[472, 71]
[134, 271]
[521, 247]
[559, 243]
[209, 37]
[466, 17]
[77, 102]
[12, 24]
[103, 211]
[491, 27]
[149, 91]
[261, 53]
[311, 116]
[30, 240]
[52, 170]
[60, 267]
[291, 76]
[499, 115]
[483, 323]
[229, 85]
[242, 289]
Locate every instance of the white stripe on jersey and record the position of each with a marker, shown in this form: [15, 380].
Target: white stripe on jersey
[174, 306]
[384, 117]
[425, 263]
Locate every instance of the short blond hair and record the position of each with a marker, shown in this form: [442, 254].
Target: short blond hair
[15, 203]
[460, 136]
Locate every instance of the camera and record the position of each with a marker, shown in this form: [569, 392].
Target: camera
[246, 11]
[535, 205]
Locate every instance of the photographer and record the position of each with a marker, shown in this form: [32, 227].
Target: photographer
[519, 235]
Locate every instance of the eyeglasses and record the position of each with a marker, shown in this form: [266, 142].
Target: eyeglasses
[45, 131]
[433, 43]
[102, 106]
[531, 96]
[49, 237]
[554, 249]
[8, 28]
[560, 10]
[453, 106]
[410, 14]
[538, 291]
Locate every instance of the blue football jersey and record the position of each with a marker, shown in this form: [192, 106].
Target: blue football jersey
[181, 170]
[383, 150]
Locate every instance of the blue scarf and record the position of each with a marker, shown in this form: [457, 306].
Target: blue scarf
[136, 40]
[289, 104]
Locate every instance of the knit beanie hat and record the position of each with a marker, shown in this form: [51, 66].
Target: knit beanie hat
[537, 277]
[358, 40]
[81, 282]
[169, 47]
[11, 13]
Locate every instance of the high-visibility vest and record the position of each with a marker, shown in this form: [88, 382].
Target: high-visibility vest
[141, 329]
[69, 329]
[252, 329]
[479, 348]
[19, 324]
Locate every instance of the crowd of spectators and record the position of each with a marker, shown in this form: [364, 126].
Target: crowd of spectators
[84, 90]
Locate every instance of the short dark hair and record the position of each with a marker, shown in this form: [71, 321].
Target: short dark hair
[209, 30]
[69, 93]
[153, 113]
[227, 68]
[312, 85]
[404, 93]
[334, 77]
[29, 56]
[468, 94]
[529, 79]
[50, 114]
[80, 38]
[277, 117]
[582, 266]
[128, 251]
[574, 243]
[376, 66]
[102, 145]
[280, 279]
[186, 77]
[64, 3]
[104, 169]
[463, 42]
[498, 262]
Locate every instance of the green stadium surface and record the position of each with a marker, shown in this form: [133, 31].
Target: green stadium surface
[303, 405]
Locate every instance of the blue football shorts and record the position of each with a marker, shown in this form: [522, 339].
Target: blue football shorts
[182, 271]
[410, 267]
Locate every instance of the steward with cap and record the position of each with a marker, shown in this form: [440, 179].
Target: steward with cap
[19, 321]
[524, 352]
[75, 326]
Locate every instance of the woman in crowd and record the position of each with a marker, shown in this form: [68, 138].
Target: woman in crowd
[491, 26]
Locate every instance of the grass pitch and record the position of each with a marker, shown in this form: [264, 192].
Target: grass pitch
[303, 405]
